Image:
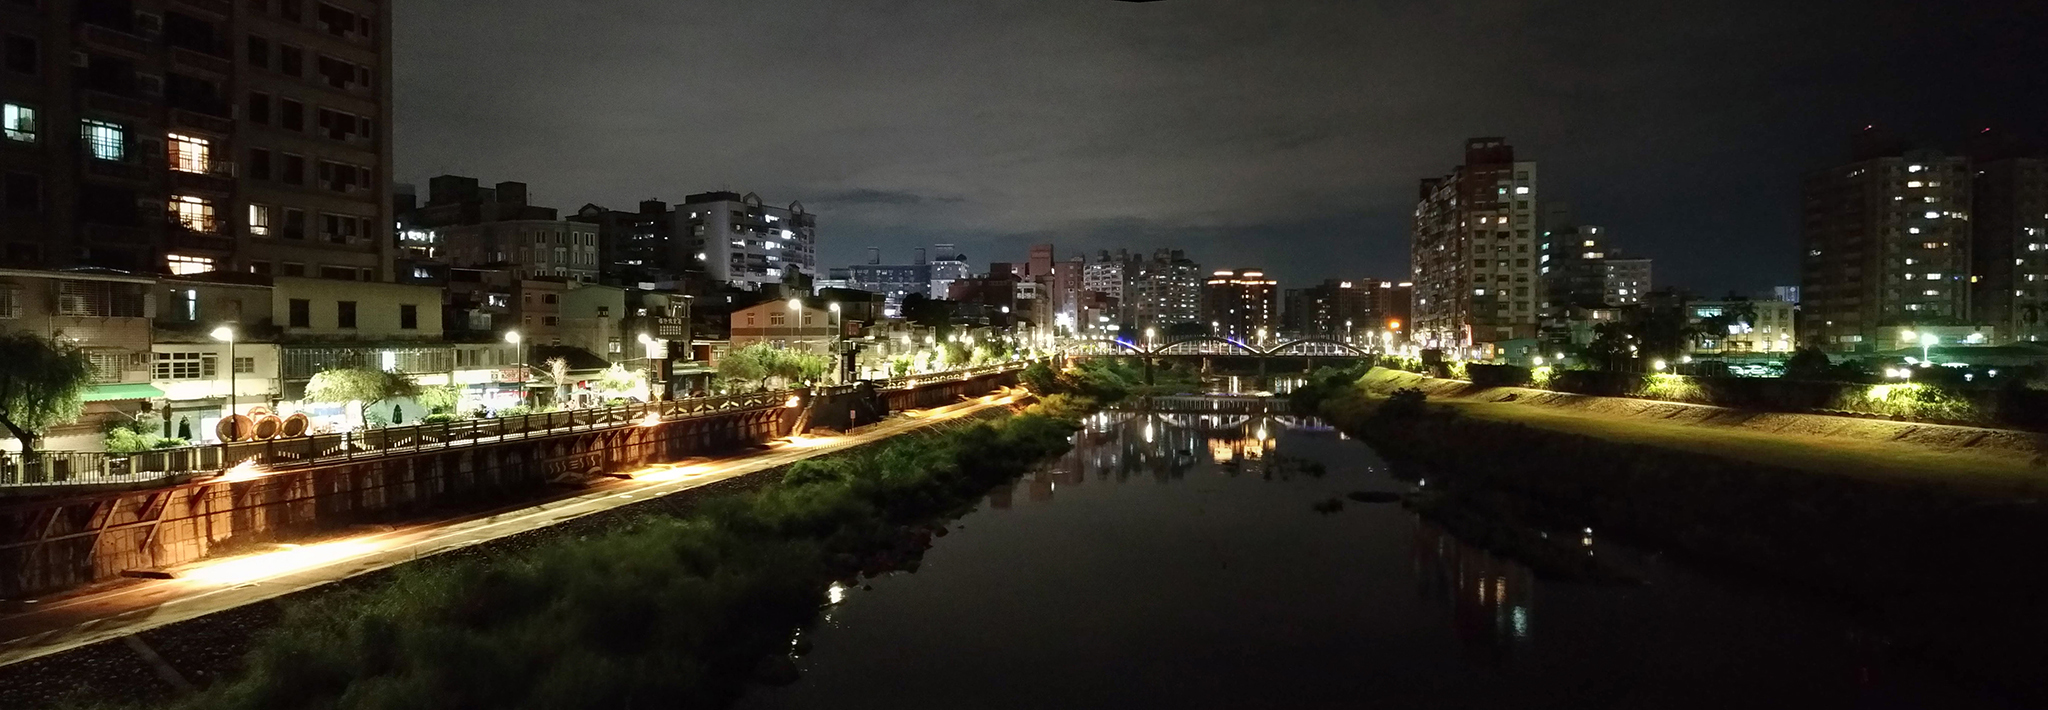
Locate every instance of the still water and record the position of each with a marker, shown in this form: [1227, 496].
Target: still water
[1175, 561]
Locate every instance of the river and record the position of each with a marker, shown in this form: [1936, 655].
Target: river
[1176, 562]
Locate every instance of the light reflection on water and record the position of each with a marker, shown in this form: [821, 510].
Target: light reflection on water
[1172, 560]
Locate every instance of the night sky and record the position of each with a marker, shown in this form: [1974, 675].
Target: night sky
[1287, 134]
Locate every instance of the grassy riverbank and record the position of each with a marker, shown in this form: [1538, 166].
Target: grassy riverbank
[664, 612]
[1936, 565]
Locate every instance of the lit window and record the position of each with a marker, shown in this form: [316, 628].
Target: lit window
[1915, 168]
[182, 265]
[189, 154]
[106, 141]
[259, 220]
[194, 213]
[19, 122]
[1932, 215]
[1912, 183]
[1934, 277]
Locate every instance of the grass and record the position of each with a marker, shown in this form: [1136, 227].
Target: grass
[666, 612]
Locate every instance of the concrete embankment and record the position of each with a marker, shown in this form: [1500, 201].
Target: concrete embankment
[1922, 530]
[1999, 459]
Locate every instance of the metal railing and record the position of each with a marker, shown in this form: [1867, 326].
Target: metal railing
[78, 468]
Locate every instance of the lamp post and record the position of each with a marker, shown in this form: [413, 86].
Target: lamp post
[838, 332]
[226, 334]
[653, 369]
[796, 310]
[519, 353]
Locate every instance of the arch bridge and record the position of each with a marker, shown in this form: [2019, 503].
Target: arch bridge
[1209, 345]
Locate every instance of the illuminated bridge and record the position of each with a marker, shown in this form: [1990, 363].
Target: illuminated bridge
[1211, 346]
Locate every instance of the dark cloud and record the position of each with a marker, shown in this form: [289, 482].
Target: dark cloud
[1280, 133]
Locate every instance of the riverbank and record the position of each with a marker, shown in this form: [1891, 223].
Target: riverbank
[655, 609]
[1928, 554]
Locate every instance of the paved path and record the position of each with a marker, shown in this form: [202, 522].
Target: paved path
[60, 624]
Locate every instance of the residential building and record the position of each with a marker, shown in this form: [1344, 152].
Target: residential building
[948, 265]
[1886, 245]
[892, 281]
[1767, 329]
[1472, 251]
[642, 247]
[105, 315]
[1627, 280]
[1041, 263]
[1113, 275]
[809, 327]
[745, 243]
[1334, 310]
[472, 226]
[1066, 288]
[1241, 305]
[1165, 290]
[197, 136]
[201, 377]
[2009, 247]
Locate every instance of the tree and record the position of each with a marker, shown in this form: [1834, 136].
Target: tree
[928, 312]
[558, 375]
[1809, 364]
[745, 364]
[617, 381]
[42, 384]
[439, 398]
[359, 384]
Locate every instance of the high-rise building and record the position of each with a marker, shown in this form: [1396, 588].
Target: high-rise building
[1336, 309]
[1041, 261]
[473, 226]
[1886, 244]
[1627, 280]
[190, 137]
[1111, 275]
[1166, 290]
[1241, 305]
[1066, 289]
[2009, 250]
[745, 243]
[948, 266]
[640, 247]
[1472, 251]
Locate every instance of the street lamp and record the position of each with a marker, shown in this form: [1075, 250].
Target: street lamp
[796, 310]
[226, 334]
[1927, 340]
[519, 353]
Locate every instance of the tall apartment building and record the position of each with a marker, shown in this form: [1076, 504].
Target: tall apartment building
[639, 247]
[1335, 309]
[1886, 244]
[1472, 250]
[1572, 268]
[198, 135]
[747, 244]
[473, 226]
[1241, 304]
[1111, 275]
[1165, 290]
[1628, 280]
[2009, 251]
[948, 266]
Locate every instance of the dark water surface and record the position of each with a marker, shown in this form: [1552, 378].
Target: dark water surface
[1178, 564]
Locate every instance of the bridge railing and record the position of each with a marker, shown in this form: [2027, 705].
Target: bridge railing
[79, 468]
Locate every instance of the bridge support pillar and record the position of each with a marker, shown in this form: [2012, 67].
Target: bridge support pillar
[1148, 370]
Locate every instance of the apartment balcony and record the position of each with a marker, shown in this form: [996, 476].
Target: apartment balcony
[183, 58]
[217, 180]
[112, 40]
[193, 119]
[201, 235]
[126, 106]
[219, 9]
[115, 234]
[113, 170]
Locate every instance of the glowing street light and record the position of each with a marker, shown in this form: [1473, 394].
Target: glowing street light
[1660, 365]
[226, 334]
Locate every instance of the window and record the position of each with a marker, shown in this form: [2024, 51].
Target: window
[194, 213]
[245, 366]
[259, 267]
[107, 364]
[290, 9]
[294, 269]
[291, 60]
[259, 52]
[294, 225]
[18, 122]
[775, 319]
[21, 54]
[550, 299]
[293, 171]
[338, 273]
[105, 141]
[409, 316]
[181, 265]
[345, 314]
[259, 107]
[185, 366]
[301, 309]
[547, 320]
[10, 302]
[190, 154]
[21, 192]
[259, 163]
[338, 229]
[291, 115]
[259, 220]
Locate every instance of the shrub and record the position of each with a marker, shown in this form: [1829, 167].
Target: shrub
[438, 418]
[1404, 402]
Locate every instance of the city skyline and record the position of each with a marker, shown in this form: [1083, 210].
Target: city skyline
[1169, 151]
